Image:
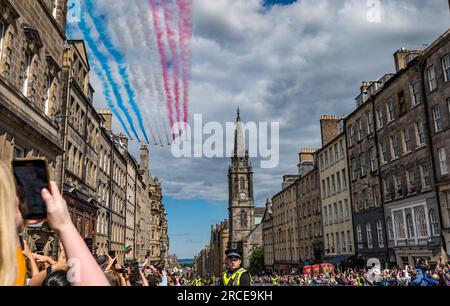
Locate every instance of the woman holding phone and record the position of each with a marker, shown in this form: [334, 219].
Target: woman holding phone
[84, 270]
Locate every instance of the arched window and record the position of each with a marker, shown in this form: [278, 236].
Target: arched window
[410, 226]
[434, 222]
[242, 183]
[399, 226]
[421, 223]
[243, 219]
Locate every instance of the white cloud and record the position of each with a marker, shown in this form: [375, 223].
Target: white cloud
[290, 64]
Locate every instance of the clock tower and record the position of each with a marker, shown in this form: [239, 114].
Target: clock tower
[240, 191]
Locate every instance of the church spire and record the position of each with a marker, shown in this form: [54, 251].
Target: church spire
[239, 147]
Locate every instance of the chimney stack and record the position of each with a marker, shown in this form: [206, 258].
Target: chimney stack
[329, 128]
[400, 59]
[144, 158]
[107, 117]
[306, 160]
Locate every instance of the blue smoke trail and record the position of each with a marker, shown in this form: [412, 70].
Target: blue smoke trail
[100, 26]
[106, 90]
[103, 60]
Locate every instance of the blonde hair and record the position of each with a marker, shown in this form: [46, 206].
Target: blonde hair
[8, 234]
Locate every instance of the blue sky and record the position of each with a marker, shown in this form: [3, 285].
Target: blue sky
[288, 64]
[190, 223]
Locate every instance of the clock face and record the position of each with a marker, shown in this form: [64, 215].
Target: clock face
[243, 196]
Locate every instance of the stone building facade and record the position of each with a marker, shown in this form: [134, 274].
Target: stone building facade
[435, 71]
[32, 36]
[367, 205]
[309, 209]
[80, 137]
[285, 230]
[406, 166]
[335, 191]
[267, 232]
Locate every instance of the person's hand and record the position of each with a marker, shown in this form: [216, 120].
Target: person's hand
[44, 259]
[58, 215]
[26, 250]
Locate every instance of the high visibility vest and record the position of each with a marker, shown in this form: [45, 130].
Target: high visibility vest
[275, 282]
[234, 279]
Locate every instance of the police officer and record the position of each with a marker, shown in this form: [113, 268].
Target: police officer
[235, 275]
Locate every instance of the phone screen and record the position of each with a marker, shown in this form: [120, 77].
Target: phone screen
[31, 178]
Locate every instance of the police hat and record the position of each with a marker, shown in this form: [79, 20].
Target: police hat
[233, 253]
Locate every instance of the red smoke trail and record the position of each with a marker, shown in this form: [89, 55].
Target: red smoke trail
[162, 53]
[185, 29]
[168, 15]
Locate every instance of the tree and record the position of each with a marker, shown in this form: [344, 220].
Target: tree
[257, 261]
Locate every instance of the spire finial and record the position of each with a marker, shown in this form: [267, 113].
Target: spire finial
[238, 114]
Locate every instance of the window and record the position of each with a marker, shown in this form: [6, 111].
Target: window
[416, 98]
[341, 143]
[347, 209]
[421, 223]
[359, 236]
[443, 161]
[410, 182]
[335, 213]
[338, 179]
[369, 236]
[344, 247]
[406, 141]
[390, 111]
[373, 159]
[330, 215]
[325, 212]
[365, 199]
[27, 67]
[351, 134]
[399, 225]
[437, 119]
[394, 147]
[446, 67]
[387, 192]
[341, 211]
[243, 219]
[390, 228]
[380, 120]
[431, 74]
[362, 162]
[434, 222]
[360, 129]
[54, 8]
[369, 123]
[344, 178]
[383, 152]
[333, 184]
[47, 103]
[376, 196]
[425, 177]
[420, 134]
[350, 242]
[328, 186]
[336, 152]
[410, 226]
[326, 159]
[380, 234]
[354, 169]
[398, 187]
